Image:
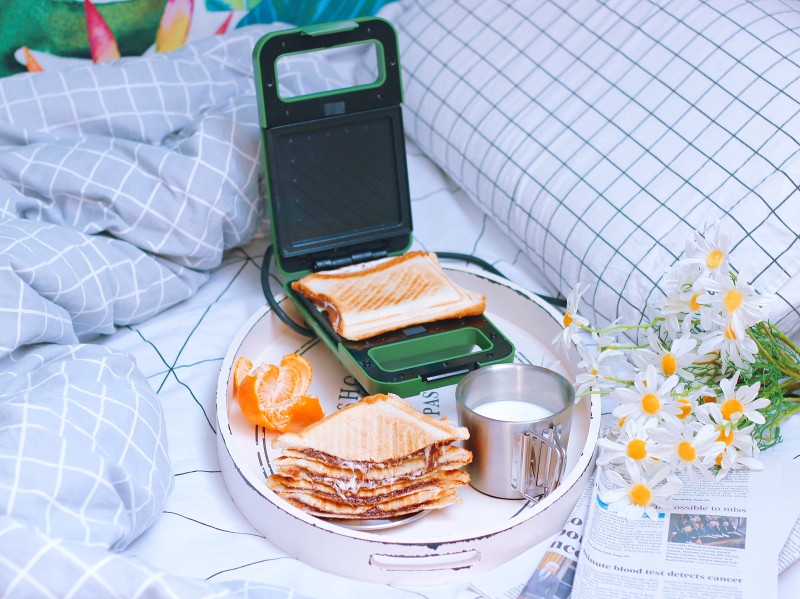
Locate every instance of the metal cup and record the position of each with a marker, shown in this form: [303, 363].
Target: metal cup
[518, 416]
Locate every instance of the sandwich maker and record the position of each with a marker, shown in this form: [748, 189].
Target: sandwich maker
[337, 191]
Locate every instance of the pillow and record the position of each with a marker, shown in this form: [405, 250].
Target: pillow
[599, 136]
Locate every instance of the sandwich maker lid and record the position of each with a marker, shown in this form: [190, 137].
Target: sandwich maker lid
[336, 169]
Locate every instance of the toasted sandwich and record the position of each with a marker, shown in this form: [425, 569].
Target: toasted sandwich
[376, 458]
[368, 299]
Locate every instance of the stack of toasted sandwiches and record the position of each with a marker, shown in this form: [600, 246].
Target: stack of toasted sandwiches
[376, 458]
[368, 299]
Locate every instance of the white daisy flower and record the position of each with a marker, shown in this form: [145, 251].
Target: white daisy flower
[596, 370]
[680, 278]
[737, 302]
[639, 495]
[741, 401]
[740, 449]
[648, 398]
[687, 446]
[688, 402]
[632, 443]
[677, 318]
[731, 342]
[572, 320]
[680, 306]
[733, 458]
[668, 360]
[710, 251]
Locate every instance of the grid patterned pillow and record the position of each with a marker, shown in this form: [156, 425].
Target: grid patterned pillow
[600, 134]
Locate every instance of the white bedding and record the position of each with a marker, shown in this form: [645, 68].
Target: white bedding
[128, 201]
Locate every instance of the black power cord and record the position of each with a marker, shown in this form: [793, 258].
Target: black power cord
[301, 330]
[273, 303]
[556, 302]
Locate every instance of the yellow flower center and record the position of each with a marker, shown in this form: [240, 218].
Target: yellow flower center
[729, 333]
[594, 371]
[621, 422]
[714, 258]
[725, 435]
[636, 449]
[730, 407]
[640, 494]
[568, 320]
[709, 399]
[733, 300]
[651, 404]
[686, 451]
[669, 364]
[718, 459]
[686, 407]
[693, 303]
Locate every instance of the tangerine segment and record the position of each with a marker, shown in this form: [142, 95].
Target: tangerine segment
[298, 370]
[255, 392]
[294, 414]
[241, 369]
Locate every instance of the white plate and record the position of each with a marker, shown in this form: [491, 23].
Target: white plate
[447, 544]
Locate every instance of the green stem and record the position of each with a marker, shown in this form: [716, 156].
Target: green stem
[780, 351]
[624, 347]
[790, 386]
[786, 414]
[616, 327]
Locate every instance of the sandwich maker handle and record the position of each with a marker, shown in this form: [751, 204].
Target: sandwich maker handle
[385, 91]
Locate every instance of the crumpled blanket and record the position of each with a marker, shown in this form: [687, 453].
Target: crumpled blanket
[121, 186]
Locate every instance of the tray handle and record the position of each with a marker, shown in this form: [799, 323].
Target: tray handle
[438, 561]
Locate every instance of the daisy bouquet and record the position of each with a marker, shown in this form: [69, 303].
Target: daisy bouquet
[700, 389]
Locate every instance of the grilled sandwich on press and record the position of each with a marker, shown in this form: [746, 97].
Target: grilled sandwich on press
[388, 294]
[376, 458]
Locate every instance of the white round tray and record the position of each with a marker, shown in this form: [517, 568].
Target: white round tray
[447, 545]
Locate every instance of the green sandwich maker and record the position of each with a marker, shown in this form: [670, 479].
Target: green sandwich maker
[337, 190]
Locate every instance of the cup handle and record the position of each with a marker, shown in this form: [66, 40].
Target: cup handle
[540, 463]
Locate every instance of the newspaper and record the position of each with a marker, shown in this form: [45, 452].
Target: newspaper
[790, 552]
[790, 447]
[556, 569]
[598, 554]
[718, 539]
[514, 580]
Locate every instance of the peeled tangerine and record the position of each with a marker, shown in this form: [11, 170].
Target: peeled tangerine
[275, 396]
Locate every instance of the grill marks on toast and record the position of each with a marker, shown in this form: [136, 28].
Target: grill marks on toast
[406, 286]
[369, 299]
[377, 428]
